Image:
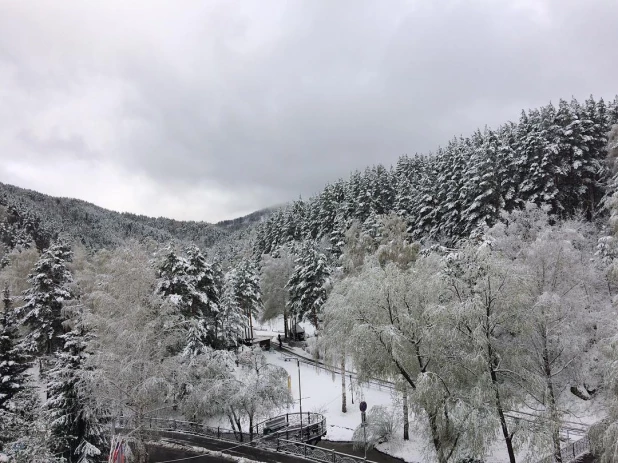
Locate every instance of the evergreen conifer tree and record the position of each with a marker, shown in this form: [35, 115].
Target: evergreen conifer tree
[191, 285]
[309, 285]
[13, 362]
[44, 300]
[70, 407]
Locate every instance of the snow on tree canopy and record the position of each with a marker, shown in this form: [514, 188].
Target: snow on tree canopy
[44, 300]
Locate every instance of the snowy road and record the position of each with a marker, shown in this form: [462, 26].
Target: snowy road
[251, 453]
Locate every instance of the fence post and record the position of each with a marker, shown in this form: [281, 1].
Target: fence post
[218, 433]
[333, 456]
[277, 444]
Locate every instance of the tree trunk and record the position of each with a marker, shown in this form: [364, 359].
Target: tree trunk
[314, 316]
[344, 404]
[286, 330]
[235, 421]
[435, 438]
[508, 438]
[141, 452]
[232, 423]
[250, 324]
[406, 418]
[551, 403]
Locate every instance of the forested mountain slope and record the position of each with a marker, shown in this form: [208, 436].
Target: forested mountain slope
[44, 217]
[553, 157]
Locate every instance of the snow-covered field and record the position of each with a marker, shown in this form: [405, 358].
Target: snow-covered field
[321, 393]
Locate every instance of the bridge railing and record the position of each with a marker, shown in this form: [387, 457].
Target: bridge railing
[273, 442]
[570, 451]
[313, 426]
[312, 452]
[189, 427]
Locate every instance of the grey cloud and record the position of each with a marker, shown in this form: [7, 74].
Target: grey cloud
[269, 100]
[72, 145]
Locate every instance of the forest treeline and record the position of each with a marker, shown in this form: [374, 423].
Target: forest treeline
[553, 156]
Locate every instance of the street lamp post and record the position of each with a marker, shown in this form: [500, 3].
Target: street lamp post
[300, 394]
[363, 408]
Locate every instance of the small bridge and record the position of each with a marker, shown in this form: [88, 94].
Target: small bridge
[306, 427]
[294, 438]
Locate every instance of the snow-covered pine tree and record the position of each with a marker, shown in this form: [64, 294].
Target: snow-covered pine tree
[43, 301]
[337, 234]
[311, 225]
[482, 186]
[231, 324]
[206, 295]
[594, 128]
[425, 214]
[537, 155]
[173, 280]
[190, 284]
[403, 196]
[363, 202]
[241, 302]
[452, 165]
[70, 407]
[508, 172]
[294, 218]
[353, 193]
[17, 401]
[22, 228]
[13, 362]
[248, 292]
[328, 211]
[381, 187]
[309, 285]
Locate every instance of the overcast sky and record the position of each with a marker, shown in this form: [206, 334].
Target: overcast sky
[209, 110]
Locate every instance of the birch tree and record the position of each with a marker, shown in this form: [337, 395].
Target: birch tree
[486, 324]
[563, 303]
[136, 332]
[394, 320]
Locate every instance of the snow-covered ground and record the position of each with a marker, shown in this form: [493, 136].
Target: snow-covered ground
[321, 393]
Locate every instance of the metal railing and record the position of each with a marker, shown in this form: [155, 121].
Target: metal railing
[188, 427]
[275, 442]
[570, 451]
[314, 453]
[313, 426]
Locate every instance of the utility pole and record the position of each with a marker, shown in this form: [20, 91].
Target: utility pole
[300, 394]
